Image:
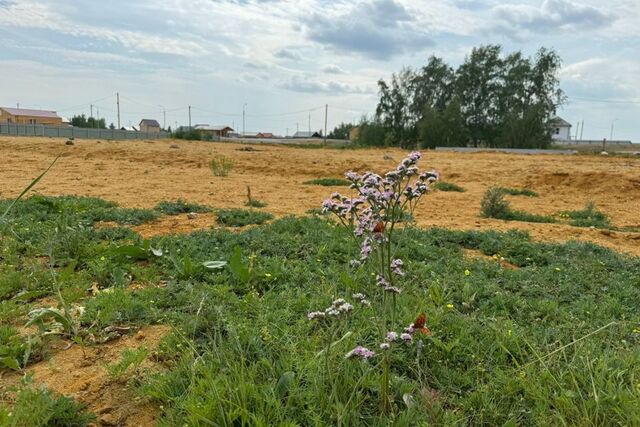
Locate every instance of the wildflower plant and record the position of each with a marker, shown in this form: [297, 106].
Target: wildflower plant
[380, 204]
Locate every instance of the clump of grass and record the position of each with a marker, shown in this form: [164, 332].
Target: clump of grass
[40, 407]
[494, 205]
[253, 203]
[518, 191]
[590, 216]
[447, 186]
[242, 217]
[221, 165]
[130, 363]
[180, 206]
[328, 182]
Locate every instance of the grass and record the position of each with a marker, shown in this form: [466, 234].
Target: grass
[518, 191]
[328, 182]
[494, 205]
[221, 165]
[179, 207]
[552, 341]
[590, 216]
[447, 186]
[242, 217]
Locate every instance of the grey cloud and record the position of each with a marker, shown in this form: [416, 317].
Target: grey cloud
[308, 85]
[552, 15]
[377, 29]
[332, 69]
[287, 54]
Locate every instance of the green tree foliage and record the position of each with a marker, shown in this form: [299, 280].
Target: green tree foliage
[341, 131]
[490, 100]
[82, 121]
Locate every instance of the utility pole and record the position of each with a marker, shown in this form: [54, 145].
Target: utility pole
[309, 123]
[189, 117]
[164, 119]
[287, 134]
[118, 104]
[326, 110]
[581, 129]
[611, 134]
[297, 128]
[243, 107]
[91, 109]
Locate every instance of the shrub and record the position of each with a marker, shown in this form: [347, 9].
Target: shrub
[493, 204]
[590, 216]
[242, 217]
[180, 206]
[328, 182]
[221, 165]
[253, 203]
[447, 186]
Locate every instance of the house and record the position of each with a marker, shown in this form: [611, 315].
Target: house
[149, 125]
[130, 128]
[560, 129]
[265, 135]
[219, 130]
[29, 117]
[306, 134]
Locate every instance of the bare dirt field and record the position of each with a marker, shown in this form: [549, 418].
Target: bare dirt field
[142, 173]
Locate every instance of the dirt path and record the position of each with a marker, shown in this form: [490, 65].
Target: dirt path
[142, 173]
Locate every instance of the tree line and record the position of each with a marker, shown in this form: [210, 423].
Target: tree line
[490, 100]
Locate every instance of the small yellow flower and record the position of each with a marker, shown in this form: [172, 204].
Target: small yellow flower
[509, 332]
[267, 274]
[467, 273]
[557, 268]
[449, 306]
[102, 258]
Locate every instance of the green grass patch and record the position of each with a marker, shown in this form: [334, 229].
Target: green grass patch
[242, 217]
[560, 330]
[328, 182]
[590, 216]
[494, 205]
[518, 191]
[447, 186]
[180, 207]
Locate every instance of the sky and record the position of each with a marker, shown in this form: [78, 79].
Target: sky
[284, 60]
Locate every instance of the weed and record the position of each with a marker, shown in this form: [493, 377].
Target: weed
[254, 203]
[590, 216]
[130, 363]
[179, 207]
[221, 165]
[328, 182]
[447, 186]
[242, 217]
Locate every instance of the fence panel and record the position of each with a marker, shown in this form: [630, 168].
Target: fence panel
[15, 129]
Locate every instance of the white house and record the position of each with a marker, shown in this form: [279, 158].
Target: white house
[560, 129]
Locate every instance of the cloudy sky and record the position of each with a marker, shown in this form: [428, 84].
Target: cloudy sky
[286, 59]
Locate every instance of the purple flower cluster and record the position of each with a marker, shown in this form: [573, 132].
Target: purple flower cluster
[362, 299]
[386, 286]
[360, 352]
[396, 267]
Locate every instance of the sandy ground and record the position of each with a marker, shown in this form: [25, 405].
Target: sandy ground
[142, 173]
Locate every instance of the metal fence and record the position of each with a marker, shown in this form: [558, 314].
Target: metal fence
[75, 132]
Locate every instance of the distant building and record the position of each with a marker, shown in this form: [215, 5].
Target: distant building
[265, 135]
[560, 129]
[130, 128]
[149, 125]
[29, 117]
[306, 134]
[250, 135]
[220, 130]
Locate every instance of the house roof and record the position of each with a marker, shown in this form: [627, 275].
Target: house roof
[149, 122]
[560, 122]
[30, 113]
[305, 134]
[217, 127]
[132, 128]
